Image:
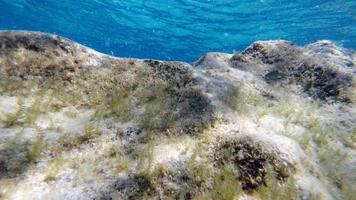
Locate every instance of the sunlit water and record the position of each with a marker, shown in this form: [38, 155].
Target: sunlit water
[182, 29]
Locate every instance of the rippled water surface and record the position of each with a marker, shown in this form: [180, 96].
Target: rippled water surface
[182, 29]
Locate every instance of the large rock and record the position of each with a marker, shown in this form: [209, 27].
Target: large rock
[276, 121]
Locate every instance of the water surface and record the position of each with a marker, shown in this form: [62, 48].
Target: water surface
[182, 29]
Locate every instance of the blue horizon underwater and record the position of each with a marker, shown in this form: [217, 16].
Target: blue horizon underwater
[182, 30]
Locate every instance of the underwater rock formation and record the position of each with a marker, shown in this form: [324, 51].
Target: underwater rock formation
[276, 121]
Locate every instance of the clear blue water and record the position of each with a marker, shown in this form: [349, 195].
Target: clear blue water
[182, 29]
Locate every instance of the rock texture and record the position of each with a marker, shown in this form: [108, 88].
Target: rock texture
[276, 121]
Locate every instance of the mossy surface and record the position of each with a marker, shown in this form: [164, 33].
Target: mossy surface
[267, 123]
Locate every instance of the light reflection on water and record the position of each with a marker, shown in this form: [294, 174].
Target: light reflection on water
[183, 29]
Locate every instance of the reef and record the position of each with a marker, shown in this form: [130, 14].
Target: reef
[275, 121]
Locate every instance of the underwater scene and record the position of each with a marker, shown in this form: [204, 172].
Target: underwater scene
[177, 99]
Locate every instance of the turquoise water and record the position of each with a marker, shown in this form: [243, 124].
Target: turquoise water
[182, 29]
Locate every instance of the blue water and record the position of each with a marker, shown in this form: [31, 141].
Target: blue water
[182, 29]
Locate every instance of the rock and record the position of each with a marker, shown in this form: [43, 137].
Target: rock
[78, 124]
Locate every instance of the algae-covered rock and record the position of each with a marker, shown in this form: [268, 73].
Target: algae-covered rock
[276, 121]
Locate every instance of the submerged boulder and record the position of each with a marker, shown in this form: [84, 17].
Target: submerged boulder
[324, 70]
[276, 121]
